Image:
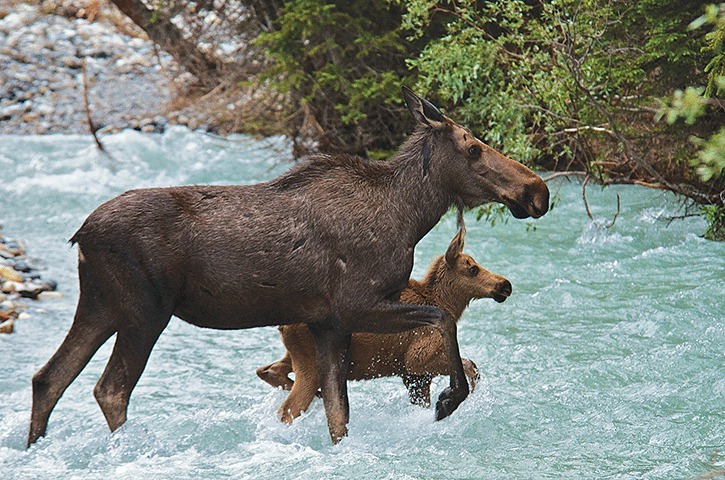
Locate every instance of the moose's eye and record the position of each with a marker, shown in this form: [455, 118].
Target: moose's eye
[474, 151]
[473, 271]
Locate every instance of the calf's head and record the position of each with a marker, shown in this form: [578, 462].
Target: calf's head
[473, 171]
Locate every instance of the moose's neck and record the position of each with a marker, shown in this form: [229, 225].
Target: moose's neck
[420, 199]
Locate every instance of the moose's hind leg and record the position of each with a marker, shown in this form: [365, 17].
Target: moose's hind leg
[128, 360]
[91, 328]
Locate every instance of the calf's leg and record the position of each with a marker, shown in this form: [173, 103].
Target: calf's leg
[424, 364]
[426, 359]
[277, 373]
[302, 357]
[303, 391]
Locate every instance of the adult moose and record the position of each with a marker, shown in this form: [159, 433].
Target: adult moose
[329, 243]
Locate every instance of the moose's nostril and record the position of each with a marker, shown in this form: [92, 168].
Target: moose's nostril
[539, 200]
[505, 288]
[534, 207]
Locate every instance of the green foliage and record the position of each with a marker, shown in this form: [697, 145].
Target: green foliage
[711, 157]
[345, 62]
[669, 53]
[493, 213]
[715, 216]
[539, 80]
[689, 105]
[494, 77]
[715, 15]
[692, 104]
[710, 161]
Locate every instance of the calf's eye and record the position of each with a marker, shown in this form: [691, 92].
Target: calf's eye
[473, 271]
[474, 151]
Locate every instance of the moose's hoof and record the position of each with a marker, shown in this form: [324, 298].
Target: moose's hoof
[448, 401]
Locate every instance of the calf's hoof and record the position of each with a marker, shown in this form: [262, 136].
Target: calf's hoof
[472, 373]
[285, 416]
[448, 402]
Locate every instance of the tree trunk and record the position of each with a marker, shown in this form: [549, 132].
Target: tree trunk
[168, 36]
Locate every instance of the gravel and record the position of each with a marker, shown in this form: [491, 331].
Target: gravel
[41, 79]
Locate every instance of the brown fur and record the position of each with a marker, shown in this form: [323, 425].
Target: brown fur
[329, 243]
[416, 355]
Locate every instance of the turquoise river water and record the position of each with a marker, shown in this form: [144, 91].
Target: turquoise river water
[607, 362]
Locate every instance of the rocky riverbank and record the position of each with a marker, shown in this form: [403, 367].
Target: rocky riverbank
[130, 83]
[41, 92]
[19, 279]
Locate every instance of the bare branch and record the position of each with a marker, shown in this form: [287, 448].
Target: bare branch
[614, 219]
[589, 212]
[91, 126]
[584, 198]
[170, 38]
[588, 127]
[565, 174]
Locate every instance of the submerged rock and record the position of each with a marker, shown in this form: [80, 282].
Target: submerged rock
[9, 274]
[50, 294]
[7, 326]
[11, 286]
[10, 249]
[18, 279]
[33, 290]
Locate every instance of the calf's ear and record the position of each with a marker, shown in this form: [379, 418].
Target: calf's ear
[455, 248]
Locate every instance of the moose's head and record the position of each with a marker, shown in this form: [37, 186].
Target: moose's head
[473, 171]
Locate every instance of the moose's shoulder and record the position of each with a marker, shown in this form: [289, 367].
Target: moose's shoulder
[317, 168]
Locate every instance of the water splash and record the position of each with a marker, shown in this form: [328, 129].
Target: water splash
[606, 362]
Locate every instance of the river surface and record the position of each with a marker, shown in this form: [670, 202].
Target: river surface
[607, 362]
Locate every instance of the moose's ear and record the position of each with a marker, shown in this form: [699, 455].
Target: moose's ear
[455, 248]
[422, 110]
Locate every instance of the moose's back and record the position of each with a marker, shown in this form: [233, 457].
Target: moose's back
[245, 256]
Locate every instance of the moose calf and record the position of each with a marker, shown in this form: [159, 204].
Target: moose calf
[451, 282]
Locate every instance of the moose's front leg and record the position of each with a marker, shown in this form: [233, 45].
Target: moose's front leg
[389, 316]
[453, 395]
[333, 363]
